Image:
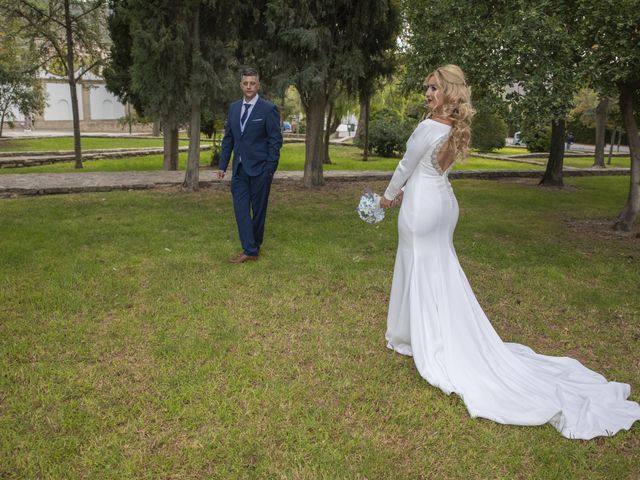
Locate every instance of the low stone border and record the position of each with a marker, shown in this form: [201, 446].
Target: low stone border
[22, 184]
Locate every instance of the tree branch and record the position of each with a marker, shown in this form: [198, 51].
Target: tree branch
[40, 12]
[98, 5]
[94, 64]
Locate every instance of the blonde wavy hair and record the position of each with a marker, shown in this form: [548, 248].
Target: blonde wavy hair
[456, 106]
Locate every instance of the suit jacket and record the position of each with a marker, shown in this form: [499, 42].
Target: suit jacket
[259, 145]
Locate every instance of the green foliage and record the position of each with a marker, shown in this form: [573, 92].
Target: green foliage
[528, 45]
[167, 73]
[117, 73]
[47, 22]
[537, 137]
[20, 90]
[388, 133]
[488, 132]
[316, 45]
[611, 42]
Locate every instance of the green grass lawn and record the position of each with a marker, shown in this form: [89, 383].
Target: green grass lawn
[130, 347]
[345, 157]
[509, 151]
[587, 162]
[292, 158]
[129, 164]
[88, 143]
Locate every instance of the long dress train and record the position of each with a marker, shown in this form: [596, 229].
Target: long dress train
[435, 317]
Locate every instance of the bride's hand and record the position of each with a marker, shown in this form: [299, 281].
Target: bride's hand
[384, 203]
[398, 200]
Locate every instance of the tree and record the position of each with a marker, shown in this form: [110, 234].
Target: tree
[20, 90]
[181, 55]
[593, 110]
[314, 44]
[117, 71]
[613, 58]
[71, 34]
[380, 67]
[525, 51]
[337, 108]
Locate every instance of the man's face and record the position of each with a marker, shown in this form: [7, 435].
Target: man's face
[250, 86]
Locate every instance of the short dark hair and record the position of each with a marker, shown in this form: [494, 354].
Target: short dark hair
[249, 72]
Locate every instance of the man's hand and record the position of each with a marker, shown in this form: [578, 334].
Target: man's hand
[220, 174]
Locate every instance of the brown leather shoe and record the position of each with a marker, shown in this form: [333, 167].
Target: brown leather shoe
[242, 258]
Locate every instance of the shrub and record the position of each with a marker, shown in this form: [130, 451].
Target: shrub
[537, 138]
[388, 134]
[488, 132]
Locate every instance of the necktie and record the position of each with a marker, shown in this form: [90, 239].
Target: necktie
[243, 119]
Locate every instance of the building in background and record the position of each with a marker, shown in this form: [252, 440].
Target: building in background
[99, 109]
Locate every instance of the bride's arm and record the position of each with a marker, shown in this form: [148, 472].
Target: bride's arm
[417, 146]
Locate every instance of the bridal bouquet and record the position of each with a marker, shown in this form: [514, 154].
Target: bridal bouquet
[369, 208]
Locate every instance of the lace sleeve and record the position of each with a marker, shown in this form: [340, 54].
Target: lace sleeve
[418, 144]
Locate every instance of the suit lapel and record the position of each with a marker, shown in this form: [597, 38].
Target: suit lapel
[251, 115]
[236, 118]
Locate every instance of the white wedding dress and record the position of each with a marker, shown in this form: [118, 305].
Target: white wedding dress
[435, 317]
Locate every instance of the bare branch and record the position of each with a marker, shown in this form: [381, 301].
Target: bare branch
[85, 70]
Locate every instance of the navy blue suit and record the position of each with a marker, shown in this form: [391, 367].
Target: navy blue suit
[256, 152]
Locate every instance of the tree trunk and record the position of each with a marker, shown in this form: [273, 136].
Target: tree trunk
[553, 174]
[192, 173]
[314, 148]
[360, 127]
[365, 152]
[130, 120]
[215, 151]
[628, 214]
[2, 121]
[156, 128]
[619, 140]
[601, 131]
[333, 122]
[613, 140]
[174, 161]
[170, 143]
[71, 75]
[327, 134]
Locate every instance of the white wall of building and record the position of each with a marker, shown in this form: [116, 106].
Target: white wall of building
[59, 102]
[104, 106]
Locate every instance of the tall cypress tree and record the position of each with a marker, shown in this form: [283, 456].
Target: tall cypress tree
[182, 53]
[314, 44]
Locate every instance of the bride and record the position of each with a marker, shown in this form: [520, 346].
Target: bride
[435, 317]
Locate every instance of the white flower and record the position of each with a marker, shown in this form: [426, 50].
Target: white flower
[369, 208]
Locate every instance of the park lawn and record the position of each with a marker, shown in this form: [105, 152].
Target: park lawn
[587, 162]
[132, 349]
[128, 164]
[88, 143]
[292, 158]
[509, 151]
[344, 157]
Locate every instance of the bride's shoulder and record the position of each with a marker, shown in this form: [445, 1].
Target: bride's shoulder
[436, 124]
[430, 128]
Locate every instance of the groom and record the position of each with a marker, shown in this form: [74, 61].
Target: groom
[253, 134]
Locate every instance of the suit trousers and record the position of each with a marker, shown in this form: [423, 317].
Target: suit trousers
[250, 196]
